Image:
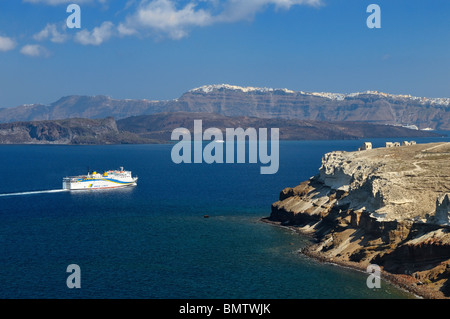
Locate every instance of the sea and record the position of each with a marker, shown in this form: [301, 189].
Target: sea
[153, 241]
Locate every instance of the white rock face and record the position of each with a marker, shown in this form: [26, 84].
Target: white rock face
[386, 206]
[442, 213]
[399, 183]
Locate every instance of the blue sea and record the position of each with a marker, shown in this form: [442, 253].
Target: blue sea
[152, 241]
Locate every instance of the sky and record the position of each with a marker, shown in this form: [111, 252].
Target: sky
[159, 49]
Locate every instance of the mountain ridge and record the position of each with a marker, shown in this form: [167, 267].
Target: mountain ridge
[157, 128]
[329, 95]
[211, 87]
[160, 126]
[229, 100]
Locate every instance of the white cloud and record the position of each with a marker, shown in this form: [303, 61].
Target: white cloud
[237, 10]
[58, 2]
[51, 32]
[34, 50]
[97, 36]
[162, 16]
[124, 30]
[7, 44]
[166, 18]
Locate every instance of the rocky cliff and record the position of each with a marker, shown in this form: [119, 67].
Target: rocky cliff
[69, 131]
[157, 128]
[160, 126]
[386, 206]
[229, 100]
[371, 106]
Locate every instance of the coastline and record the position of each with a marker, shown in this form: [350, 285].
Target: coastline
[404, 282]
[386, 206]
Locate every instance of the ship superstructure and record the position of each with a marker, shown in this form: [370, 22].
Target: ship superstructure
[107, 179]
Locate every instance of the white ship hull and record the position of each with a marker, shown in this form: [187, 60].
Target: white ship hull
[109, 179]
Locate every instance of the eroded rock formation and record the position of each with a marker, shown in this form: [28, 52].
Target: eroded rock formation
[386, 206]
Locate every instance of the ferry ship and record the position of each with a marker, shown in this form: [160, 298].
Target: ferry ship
[107, 179]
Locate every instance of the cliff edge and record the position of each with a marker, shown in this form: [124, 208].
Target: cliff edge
[384, 206]
[73, 131]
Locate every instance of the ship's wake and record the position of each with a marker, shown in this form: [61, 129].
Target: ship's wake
[35, 192]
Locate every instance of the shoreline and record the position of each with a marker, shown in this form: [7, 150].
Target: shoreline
[406, 283]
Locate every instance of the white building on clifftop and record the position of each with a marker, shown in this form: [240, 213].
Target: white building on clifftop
[366, 146]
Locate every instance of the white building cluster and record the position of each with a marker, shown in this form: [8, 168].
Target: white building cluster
[368, 145]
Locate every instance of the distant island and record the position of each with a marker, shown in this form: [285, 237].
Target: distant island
[299, 116]
[157, 128]
[265, 103]
[387, 206]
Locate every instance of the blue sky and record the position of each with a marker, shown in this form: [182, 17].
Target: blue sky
[158, 49]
